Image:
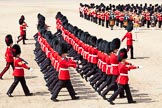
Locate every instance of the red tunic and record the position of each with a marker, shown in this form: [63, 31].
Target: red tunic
[94, 56]
[129, 38]
[108, 65]
[99, 63]
[63, 70]
[114, 64]
[18, 69]
[22, 31]
[123, 70]
[8, 55]
[103, 60]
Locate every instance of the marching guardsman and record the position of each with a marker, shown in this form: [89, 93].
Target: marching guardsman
[94, 15]
[148, 19]
[159, 18]
[122, 79]
[81, 10]
[22, 30]
[102, 17]
[112, 20]
[64, 75]
[18, 72]
[129, 39]
[117, 12]
[107, 17]
[152, 20]
[121, 19]
[24, 25]
[99, 16]
[126, 20]
[136, 21]
[108, 66]
[114, 46]
[8, 55]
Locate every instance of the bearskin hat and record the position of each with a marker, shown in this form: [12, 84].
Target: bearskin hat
[93, 41]
[16, 50]
[75, 30]
[98, 43]
[8, 40]
[86, 35]
[58, 15]
[107, 48]
[115, 44]
[122, 54]
[63, 48]
[41, 18]
[130, 27]
[22, 17]
[103, 45]
[79, 33]
[21, 21]
[70, 28]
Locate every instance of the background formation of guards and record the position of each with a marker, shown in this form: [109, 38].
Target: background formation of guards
[120, 15]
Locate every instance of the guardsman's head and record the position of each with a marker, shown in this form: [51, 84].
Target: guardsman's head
[63, 49]
[8, 40]
[107, 48]
[115, 45]
[122, 54]
[16, 50]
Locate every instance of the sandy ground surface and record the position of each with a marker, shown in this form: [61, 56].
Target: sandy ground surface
[145, 83]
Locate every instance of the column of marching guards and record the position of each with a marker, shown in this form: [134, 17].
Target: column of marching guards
[95, 56]
[47, 54]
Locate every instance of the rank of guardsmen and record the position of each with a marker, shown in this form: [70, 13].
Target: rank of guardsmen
[120, 15]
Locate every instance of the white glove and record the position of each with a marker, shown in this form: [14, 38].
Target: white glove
[31, 69]
[79, 62]
[139, 67]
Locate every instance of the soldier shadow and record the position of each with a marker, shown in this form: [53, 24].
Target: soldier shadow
[29, 43]
[31, 77]
[31, 39]
[139, 97]
[142, 57]
[41, 93]
[81, 88]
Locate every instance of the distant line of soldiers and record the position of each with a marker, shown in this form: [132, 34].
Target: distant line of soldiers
[121, 15]
[98, 60]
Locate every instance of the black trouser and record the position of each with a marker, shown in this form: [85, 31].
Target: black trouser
[22, 38]
[95, 20]
[23, 84]
[119, 90]
[6, 68]
[113, 86]
[159, 24]
[148, 23]
[101, 80]
[106, 83]
[131, 50]
[107, 23]
[60, 85]
[117, 22]
[99, 21]
[25, 36]
[121, 24]
[81, 14]
[103, 22]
